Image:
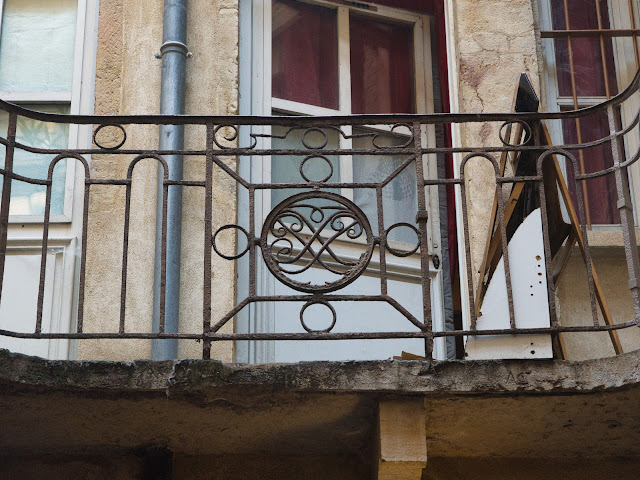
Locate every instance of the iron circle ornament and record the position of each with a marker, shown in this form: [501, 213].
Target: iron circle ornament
[313, 157]
[401, 253]
[299, 233]
[108, 125]
[318, 302]
[509, 124]
[229, 227]
[321, 145]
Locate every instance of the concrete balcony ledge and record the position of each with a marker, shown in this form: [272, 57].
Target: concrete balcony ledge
[197, 378]
[197, 407]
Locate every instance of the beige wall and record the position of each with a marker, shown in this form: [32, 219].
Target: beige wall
[128, 82]
[575, 304]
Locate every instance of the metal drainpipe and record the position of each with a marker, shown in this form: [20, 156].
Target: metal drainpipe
[174, 53]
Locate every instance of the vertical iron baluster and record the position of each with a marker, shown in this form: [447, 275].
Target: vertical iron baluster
[625, 207]
[83, 247]
[553, 316]
[163, 250]
[382, 234]
[45, 242]
[421, 219]
[208, 233]
[504, 243]
[467, 243]
[583, 227]
[6, 192]
[125, 249]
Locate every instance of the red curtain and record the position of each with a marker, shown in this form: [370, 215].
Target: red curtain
[601, 191]
[381, 67]
[589, 78]
[305, 53]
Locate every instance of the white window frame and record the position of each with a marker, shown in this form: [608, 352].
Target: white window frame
[79, 99]
[256, 99]
[624, 63]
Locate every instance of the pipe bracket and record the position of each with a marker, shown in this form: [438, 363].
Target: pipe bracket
[174, 46]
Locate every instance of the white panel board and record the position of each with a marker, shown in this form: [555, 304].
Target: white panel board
[530, 300]
[20, 297]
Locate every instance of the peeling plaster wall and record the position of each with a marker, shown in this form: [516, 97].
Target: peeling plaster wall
[492, 52]
[128, 82]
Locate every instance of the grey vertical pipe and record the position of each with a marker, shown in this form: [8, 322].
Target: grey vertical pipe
[174, 55]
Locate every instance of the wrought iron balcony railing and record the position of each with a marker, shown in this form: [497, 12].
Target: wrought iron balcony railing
[325, 201]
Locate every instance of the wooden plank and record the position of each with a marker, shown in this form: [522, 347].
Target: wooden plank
[564, 192]
[562, 258]
[489, 248]
[524, 100]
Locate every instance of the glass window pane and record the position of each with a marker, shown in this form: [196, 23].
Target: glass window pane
[587, 55]
[37, 45]
[601, 191]
[305, 54]
[382, 79]
[26, 198]
[399, 196]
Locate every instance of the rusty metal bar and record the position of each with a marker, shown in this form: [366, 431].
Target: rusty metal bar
[625, 207]
[574, 94]
[467, 250]
[83, 247]
[422, 216]
[43, 251]
[605, 70]
[125, 252]
[634, 35]
[553, 316]
[6, 192]
[590, 33]
[383, 242]
[208, 235]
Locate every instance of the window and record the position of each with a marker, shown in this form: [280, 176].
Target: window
[585, 68]
[328, 58]
[47, 63]
[42, 52]
[352, 63]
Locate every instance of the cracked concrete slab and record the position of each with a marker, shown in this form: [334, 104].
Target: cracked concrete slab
[534, 408]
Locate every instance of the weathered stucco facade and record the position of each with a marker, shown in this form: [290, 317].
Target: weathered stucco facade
[128, 83]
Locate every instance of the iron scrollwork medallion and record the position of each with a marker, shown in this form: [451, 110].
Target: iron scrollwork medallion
[299, 233]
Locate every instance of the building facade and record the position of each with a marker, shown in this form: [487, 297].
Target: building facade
[430, 204]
